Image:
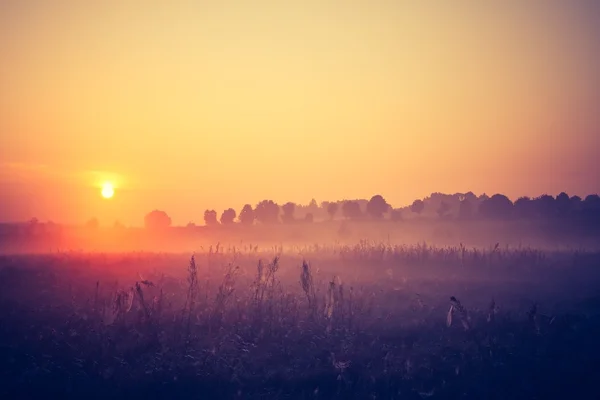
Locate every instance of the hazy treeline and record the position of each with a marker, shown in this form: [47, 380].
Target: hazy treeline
[459, 206]
[438, 218]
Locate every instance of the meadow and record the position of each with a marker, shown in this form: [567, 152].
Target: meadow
[365, 321]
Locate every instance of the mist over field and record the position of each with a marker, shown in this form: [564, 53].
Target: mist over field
[188, 240]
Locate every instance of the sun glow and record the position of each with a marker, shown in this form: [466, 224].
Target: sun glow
[108, 190]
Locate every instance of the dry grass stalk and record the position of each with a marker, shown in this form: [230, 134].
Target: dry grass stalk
[192, 280]
[493, 310]
[226, 289]
[456, 306]
[121, 303]
[306, 280]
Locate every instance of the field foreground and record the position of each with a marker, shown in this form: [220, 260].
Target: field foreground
[367, 321]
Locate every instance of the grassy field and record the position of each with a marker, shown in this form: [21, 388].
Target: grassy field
[369, 321]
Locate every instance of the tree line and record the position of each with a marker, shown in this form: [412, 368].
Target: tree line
[459, 206]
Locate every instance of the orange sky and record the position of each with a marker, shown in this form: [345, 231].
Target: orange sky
[190, 105]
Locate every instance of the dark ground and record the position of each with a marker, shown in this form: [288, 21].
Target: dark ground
[387, 336]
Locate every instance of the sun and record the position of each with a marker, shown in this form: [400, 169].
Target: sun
[108, 190]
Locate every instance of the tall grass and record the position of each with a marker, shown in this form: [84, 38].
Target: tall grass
[357, 317]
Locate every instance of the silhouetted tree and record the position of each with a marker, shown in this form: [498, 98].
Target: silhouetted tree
[591, 206]
[590, 211]
[576, 205]
[498, 207]
[377, 206]
[247, 215]
[465, 209]
[545, 206]
[267, 212]
[351, 210]
[288, 212]
[309, 218]
[592, 201]
[524, 208]
[417, 207]
[563, 204]
[210, 218]
[471, 197]
[155, 220]
[228, 216]
[312, 207]
[332, 209]
[443, 210]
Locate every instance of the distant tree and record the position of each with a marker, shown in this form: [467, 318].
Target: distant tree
[228, 216]
[465, 209]
[563, 204]
[267, 212]
[496, 207]
[592, 201]
[591, 205]
[590, 210]
[92, 224]
[575, 200]
[396, 215]
[313, 208]
[377, 206]
[443, 210]
[210, 218]
[332, 209]
[576, 204]
[309, 218]
[545, 206]
[156, 220]
[417, 207]
[471, 197]
[288, 212]
[247, 215]
[351, 210]
[525, 208]
[190, 225]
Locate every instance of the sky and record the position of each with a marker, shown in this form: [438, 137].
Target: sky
[189, 105]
